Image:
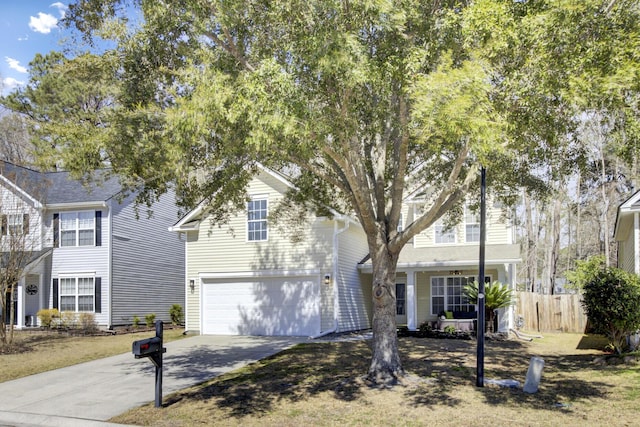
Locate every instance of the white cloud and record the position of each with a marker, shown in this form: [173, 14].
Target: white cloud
[9, 83]
[23, 38]
[14, 64]
[44, 23]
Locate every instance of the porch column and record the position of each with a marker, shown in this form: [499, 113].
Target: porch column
[411, 301]
[20, 312]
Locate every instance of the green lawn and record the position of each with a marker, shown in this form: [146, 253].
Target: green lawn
[322, 384]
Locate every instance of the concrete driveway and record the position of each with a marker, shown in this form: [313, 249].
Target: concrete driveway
[90, 393]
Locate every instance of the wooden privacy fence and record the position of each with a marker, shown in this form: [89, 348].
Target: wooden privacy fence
[550, 313]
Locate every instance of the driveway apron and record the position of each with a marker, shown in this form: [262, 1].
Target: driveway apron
[101, 389]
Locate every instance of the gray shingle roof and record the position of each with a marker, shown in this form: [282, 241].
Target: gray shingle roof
[60, 187]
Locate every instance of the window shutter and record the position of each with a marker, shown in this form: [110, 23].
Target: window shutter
[98, 294]
[56, 229]
[98, 228]
[25, 224]
[55, 293]
[4, 225]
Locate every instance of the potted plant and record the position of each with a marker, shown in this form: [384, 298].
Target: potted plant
[496, 295]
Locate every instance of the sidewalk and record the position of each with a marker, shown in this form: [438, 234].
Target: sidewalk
[90, 393]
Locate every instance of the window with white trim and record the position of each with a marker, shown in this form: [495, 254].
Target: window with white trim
[447, 294]
[257, 219]
[77, 294]
[15, 224]
[444, 234]
[77, 228]
[471, 226]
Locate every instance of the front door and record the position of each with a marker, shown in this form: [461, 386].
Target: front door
[401, 304]
[7, 313]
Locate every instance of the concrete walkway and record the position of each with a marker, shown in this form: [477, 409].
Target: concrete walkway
[90, 393]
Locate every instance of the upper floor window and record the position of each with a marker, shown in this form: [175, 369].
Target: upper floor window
[257, 219]
[15, 224]
[77, 228]
[444, 234]
[472, 226]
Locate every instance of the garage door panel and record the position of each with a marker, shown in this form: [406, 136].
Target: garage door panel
[262, 307]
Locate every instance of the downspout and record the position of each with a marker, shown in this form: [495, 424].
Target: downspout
[334, 275]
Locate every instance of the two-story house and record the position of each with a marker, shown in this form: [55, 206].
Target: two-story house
[91, 249]
[253, 277]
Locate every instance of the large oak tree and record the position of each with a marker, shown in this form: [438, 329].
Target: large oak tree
[359, 102]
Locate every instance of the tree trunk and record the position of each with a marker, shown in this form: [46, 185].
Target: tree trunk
[555, 243]
[385, 367]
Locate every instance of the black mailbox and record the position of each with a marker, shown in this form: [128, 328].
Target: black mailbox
[147, 347]
[152, 348]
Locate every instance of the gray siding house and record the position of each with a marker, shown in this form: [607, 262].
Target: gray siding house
[91, 249]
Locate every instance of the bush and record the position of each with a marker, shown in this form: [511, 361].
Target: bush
[136, 321]
[68, 319]
[175, 312]
[88, 323]
[611, 299]
[46, 316]
[450, 329]
[425, 328]
[150, 319]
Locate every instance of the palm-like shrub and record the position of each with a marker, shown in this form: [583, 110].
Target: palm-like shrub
[496, 295]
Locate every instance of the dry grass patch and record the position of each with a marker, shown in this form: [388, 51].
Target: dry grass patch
[322, 384]
[39, 351]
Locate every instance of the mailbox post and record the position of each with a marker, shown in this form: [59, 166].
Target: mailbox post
[153, 349]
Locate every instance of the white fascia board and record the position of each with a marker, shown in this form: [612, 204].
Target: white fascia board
[189, 217]
[76, 206]
[368, 268]
[19, 190]
[189, 226]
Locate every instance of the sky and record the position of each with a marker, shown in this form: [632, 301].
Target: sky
[27, 27]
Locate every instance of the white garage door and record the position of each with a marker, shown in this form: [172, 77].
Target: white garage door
[284, 306]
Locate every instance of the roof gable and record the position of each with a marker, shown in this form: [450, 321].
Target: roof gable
[624, 216]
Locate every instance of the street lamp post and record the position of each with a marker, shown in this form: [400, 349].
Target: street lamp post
[481, 298]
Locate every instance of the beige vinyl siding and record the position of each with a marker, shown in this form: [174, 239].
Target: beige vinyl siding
[498, 231]
[224, 249]
[627, 252]
[423, 295]
[352, 248]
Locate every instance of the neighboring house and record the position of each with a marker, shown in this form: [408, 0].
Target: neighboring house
[251, 277]
[91, 249]
[627, 234]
